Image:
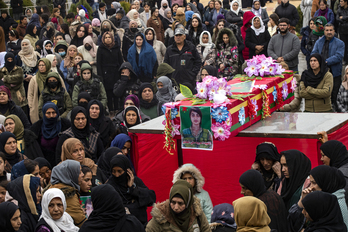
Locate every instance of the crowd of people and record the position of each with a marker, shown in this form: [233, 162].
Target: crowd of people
[72, 84]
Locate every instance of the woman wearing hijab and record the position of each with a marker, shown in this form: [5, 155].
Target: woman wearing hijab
[155, 22]
[316, 85]
[47, 48]
[12, 76]
[27, 191]
[81, 130]
[133, 15]
[105, 160]
[222, 218]
[123, 142]
[89, 52]
[157, 45]
[208, 70]
[10, 217]
[53, 217]
[67, 176]
[181, 212]
[247, 22]
[131, 117]
[323, 213]
[73, 149]
[27, 59]
[47, 130]
[235, 16]
[32, 34]
[252, 184]
[148, 101]
[143, 59]
[250, 214]
[295, 170]
[24, 167]
[315, 33]
[129, 38]
[135, 195]
[258, 11]
[81, 34]
[192, 175]
[206, 50]
[90, 32]
[326, 179]
[167, 19]
[257, 38]
[335, 154]
[166, 93]
[45, 170]
[100, 123]
[109, 60]
[267, 163]
[26, 139]
[8, 145]
[35, 20]
[109, 214]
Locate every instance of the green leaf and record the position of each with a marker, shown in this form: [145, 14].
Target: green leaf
[258, 78]
[199, 102]
[185, 91]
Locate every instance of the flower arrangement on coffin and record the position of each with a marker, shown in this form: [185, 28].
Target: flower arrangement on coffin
[261, 66]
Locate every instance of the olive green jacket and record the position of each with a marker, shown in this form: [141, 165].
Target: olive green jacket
[14, 81]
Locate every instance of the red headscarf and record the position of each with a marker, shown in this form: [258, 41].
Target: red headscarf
[246, 18]
[6, 90]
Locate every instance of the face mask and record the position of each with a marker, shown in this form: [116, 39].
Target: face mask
[88, 48]
[134, 29]
[52, 85]
[122, 179]
[165, 7]
[62, 53]
[83, 104]
[102, 12]
[49, 51]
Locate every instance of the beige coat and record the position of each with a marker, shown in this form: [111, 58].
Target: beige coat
[159, 47]
[142, 16]
[33, 99]
[162, 219]
[87, 56]
[318, 99]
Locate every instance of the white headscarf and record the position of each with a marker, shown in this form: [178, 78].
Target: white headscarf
[262, 27]
[65, 223]
[235, 11]
[44, 52]
[256, 12]
[206, 46]
[131, 17]
[50, 57]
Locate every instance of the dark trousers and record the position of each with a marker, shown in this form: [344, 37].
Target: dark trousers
[112, 100]
[344, 38]
[336, 87]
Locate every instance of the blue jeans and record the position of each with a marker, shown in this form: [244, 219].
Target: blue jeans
[95, 6]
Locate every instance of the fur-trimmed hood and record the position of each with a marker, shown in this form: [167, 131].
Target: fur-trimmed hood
[190, 168]
[219, 40]
[161, 212]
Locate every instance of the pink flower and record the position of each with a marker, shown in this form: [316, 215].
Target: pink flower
[176, 129]
[263, 70]
[209, 81]
[279, 70]
[272, 70]
[221, 131]
[252, 69]
[212, 92]
[202, 90]
[293, 84]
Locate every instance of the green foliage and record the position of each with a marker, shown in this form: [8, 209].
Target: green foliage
[126, 6]
[27, 3]
[300, 22]
[87, 6]
[72, 9]
[2, 4]
[185, 91]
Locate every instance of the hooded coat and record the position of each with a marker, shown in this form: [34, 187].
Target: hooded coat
[158, 46]
[200, 193]
[227, 54]
[246, 18]
[289, 11]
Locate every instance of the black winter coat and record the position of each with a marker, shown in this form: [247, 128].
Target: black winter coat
[251, 40]
[107, 132]
[60, 3]
[312, 38]
[231, 17]
[32, 149]
[343, 23]
[49, 154]
[17, 110]
[14, 47]
[125, 87]
[6, 24]
[126, 44]
[15, 8]
[108, 63]
[186, 62]
[288, 11]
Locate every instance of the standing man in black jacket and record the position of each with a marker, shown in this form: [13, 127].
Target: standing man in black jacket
[183, 57]
[289, 11]
[7, 23]
[61, 5]
[17, 8]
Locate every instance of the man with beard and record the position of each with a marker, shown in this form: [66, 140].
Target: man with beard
[285, 46]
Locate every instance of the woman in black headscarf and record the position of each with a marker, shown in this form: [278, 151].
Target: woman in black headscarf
[148, 100]
[134, 193]
[267, 162]
[81, 34]
[252, 184]
[109, 214]
[222, 218]
[335, 154]
[27, 191]
[295, 170]
[45, 170]
[326, 179]
[81, 130]
[8, 145]
[10, 217]
[101, 123]
[131, 117]
[316, 86]
[323, 212]
[208, 70]
[105, 160]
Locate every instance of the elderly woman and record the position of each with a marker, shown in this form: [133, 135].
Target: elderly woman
[10, 217]
[109, 213]
[89, 52]
[258, 11]
[47, 130]
[135, 195]
[67, 176]
[235, 16]
[148, 100]
[27, 191]
[131, 117]
[80, 129]
[257, 38]
[9, 148]
[53, 217]
[26, 139]
[73, 149]
[100, 123]
[166, 93]
[193, 176]
[316, 85]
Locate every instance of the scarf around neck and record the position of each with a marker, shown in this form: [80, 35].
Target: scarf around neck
[259, 30]
[51, 127]
[41, 77]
